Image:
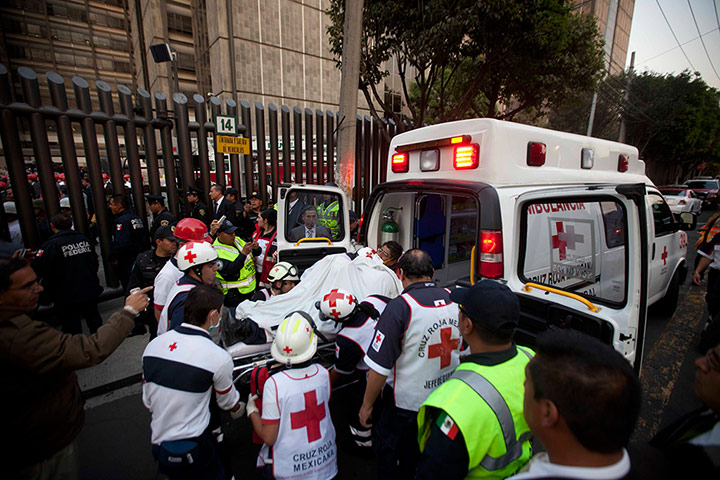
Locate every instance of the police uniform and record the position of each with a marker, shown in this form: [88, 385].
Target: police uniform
[162, 219]
[416, 346]
[180, 370]
[129, 239]
[173, 312]
[199, 209]
[236, 273]
[68, 264]
[297, 399]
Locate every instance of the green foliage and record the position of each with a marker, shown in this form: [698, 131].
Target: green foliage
[464, 58]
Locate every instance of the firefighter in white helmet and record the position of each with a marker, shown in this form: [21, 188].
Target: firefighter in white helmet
[295, 426]
[282, 278]
[357, 321]
[198, 262]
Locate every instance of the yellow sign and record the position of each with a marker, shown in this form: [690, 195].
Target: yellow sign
[234, 145]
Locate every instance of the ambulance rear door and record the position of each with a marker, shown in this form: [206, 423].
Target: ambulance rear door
[580, 262]
[316, 207]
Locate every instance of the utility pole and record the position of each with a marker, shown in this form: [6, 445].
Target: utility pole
[626, 97]
[352, 35]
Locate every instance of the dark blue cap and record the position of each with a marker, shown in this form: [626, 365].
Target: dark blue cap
[489, 304]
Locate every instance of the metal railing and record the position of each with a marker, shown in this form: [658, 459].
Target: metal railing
[307, 155]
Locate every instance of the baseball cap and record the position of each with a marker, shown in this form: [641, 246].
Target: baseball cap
[227, 227]
[231, 191]
[165, 232]
[489, 304]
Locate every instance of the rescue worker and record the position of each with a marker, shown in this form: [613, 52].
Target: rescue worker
[357, 321]
[329, 214]
[236, 271]
[282, 278]
[415, 349]
[296, 428]
[472, 426]
[198, 262]
[43, 412]
[582, 400]
[180, 371]
[186, 230]
[199, 210]
[161, 215]
[68, 265]
[147, 266]
[129, 238]
[264, 238]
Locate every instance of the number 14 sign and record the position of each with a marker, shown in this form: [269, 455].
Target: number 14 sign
[225, 125]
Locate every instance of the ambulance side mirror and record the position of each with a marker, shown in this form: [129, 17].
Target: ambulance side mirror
[688, 221]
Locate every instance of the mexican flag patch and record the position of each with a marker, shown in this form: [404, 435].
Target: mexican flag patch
[447, 425]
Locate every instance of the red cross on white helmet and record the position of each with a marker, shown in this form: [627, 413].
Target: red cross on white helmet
[338, 304]
[295, 340]
[193, 254]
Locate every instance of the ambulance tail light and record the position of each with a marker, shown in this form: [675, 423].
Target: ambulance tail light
[623, 163]
[465, 157]
[536, 154]
[491, 254]
[400, 163]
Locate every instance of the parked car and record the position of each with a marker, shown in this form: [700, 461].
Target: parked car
[705, 189]
[681, 199]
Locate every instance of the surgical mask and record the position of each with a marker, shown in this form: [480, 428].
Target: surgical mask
[215, 327]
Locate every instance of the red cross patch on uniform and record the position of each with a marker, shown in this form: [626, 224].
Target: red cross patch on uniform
[378, 340]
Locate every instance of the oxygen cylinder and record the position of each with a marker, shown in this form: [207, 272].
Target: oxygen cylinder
[390, 229]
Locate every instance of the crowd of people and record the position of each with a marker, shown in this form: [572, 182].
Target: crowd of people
[436, 384]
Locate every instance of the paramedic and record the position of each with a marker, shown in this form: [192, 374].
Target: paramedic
[582, 400]
[295, 426]
[236, 265]
[198, 262]
[265, 244]
[415, 348]
[472, 425]
[283, 277]
[180, 370]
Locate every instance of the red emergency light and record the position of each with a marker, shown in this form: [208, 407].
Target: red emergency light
[623, 163]
[536, 154]
[491, 253]
[400, 163]
[465, 157]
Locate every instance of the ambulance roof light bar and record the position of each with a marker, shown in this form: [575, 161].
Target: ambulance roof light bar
[465, 157]
[443, 142]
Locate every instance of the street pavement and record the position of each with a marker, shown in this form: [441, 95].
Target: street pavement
[115, 442]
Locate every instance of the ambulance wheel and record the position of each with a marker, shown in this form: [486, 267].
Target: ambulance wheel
[668, 304]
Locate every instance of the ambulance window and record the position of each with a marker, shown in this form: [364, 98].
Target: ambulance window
[463, 229]
[662, 216]
[563, 248]
[316, 212]
[430, 227]
[613, 220]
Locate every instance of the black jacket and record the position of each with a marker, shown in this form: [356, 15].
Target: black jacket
[201, 212]
[162, 219]
[226, 208]
[129, 236]
[67, 264]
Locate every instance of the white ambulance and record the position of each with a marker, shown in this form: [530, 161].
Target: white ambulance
[572, 224]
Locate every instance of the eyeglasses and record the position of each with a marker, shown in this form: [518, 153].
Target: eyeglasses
[713, 360]
[383, 253]
[34, 285]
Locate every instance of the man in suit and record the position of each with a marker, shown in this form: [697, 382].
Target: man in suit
[310, 229]
[295, 209]
[220, 205]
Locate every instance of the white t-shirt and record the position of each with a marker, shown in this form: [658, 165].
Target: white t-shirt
[15, 234]
[165, 280]
[540, 466]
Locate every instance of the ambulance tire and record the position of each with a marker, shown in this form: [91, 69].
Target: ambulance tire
[667, 305]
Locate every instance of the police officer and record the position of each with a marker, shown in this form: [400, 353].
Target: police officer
[147, 266]
[236, 271]
[68, 264]
[199, 208]
[181, 369]
[472, 426]
[282, 278]
[329, 214]
[161, 215]
[129, 238]
[415, 348]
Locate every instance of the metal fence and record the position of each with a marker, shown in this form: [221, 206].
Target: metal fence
[300, 147]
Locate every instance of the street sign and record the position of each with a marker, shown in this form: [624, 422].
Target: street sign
[234, 145]
[225, 125]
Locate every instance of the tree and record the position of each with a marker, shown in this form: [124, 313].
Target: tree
[462, 58]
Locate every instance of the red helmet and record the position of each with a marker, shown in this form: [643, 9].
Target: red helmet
[32, 176]
[191, 230]
[57, 176]
[126, 176]
[106, 176]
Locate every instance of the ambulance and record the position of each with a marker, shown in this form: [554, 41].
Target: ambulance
[570, 223]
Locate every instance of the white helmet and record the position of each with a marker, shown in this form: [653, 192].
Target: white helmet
[367, 252]
[338, 304]
[283, 271]
[194, 254]
[65, 202]
[295, 340]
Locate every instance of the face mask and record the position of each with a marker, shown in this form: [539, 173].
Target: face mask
[215, 327]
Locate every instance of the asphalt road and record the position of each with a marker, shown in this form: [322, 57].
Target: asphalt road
[115, 442]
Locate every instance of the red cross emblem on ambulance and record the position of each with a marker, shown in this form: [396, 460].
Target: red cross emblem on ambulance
[565, 238]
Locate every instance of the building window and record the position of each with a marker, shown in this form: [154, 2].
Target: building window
[121, 66]
[186, 62]
[179, 24]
